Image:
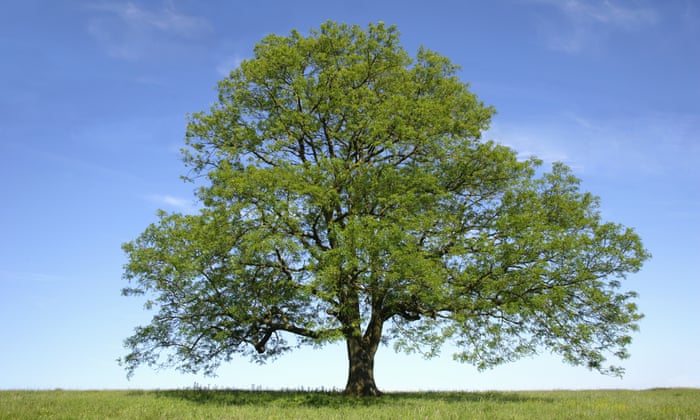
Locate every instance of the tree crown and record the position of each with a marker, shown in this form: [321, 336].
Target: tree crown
[347, 187]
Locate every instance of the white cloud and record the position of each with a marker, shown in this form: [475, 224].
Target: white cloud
[587, 21]
[651, 144]
[606, 12]
[541, 141]
[129, 31]
[228, 64]
[28, 277]
[170, 201]
[167, 19]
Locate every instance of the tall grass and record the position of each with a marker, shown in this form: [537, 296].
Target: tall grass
[200, 403]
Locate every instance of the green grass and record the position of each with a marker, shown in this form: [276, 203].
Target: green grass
[674, 403]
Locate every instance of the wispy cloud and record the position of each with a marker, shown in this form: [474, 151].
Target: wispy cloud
[607, 13]
[655, 145]
[173, 202]
[28, 277]
[587, 21]
[228, 64]
[130, 31]
[167, 19]
[528, 141]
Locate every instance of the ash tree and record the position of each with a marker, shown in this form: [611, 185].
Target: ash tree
[347, 195]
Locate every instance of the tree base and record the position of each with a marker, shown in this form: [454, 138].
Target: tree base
[362, 390]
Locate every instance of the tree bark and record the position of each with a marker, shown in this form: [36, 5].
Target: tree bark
[361, 368]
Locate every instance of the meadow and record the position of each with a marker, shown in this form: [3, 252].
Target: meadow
[198, 403]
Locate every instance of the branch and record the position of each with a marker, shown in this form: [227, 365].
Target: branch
[411, 311]
[304, 332]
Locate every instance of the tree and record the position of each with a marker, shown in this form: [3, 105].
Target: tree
[347, 195]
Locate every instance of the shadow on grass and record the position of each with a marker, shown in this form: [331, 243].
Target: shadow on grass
[332, 399]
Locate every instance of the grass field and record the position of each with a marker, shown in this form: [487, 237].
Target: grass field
[674, 403]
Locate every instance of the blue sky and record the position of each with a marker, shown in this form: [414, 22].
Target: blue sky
[92, 115]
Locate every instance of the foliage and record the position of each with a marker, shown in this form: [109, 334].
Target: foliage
[347, 195]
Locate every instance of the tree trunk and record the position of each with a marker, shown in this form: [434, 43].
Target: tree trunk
[361, 368]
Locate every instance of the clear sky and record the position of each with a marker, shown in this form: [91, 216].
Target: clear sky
[93, 102]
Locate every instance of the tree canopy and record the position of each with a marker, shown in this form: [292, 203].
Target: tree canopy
[347, 195]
